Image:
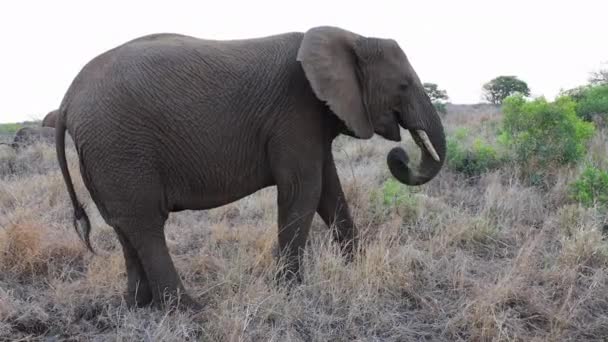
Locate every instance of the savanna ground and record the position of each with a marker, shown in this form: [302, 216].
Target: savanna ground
[481, 258]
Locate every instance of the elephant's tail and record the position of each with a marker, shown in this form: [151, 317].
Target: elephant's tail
[81, 220]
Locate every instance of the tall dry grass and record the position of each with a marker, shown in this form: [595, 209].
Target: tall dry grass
[450, 261]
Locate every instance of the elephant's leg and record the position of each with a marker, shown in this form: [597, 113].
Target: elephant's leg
[138, 290]
[164, 282]
[334, 210]
[298, 198]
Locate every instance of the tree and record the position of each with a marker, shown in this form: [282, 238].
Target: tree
[599, 77]
[434, 92]
[437, 96]
[576, 93]
[502, 87]
[593, 102]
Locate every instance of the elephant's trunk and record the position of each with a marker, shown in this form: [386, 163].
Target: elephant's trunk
[425, 126]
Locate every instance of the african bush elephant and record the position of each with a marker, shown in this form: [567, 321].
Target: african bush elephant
[50, 119]
[27, 136]
[170, 122]
[7, 159]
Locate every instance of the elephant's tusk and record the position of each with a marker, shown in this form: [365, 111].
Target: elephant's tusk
[427, 143]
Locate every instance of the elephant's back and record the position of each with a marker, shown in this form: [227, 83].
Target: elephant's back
[194, 84]
[174, 71]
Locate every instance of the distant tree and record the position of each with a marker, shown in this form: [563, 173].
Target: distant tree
[576, 93]
[434, 92]
[599, 77]
[593, 103]
[502, 87]
[437, 96]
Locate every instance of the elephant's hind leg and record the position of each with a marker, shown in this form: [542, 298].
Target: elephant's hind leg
[148, 238]
[138, 292]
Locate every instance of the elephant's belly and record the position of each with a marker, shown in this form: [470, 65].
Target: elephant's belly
[216, 194]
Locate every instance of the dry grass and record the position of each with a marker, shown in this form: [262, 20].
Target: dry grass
[450, 261]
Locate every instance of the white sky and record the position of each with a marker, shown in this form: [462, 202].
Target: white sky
[458, 44]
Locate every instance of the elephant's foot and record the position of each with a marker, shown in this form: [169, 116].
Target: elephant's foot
[349, 249]
[289, 275]
[138, 299]
[177, 301]
[188, 303]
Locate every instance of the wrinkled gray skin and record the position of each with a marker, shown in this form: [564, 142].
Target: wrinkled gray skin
[50, 119]
[27, 136]
[167, 122]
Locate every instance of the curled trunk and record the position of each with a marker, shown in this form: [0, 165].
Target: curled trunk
[423, 119]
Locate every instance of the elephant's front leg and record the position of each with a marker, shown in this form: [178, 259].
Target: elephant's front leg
[334, 210]
[298, 197]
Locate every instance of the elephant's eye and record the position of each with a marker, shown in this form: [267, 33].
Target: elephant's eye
[403, 86]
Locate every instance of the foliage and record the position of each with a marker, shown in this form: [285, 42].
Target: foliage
[591, 187]
[473, 159]
[575, 93]
[599, 77]
[544, 134]
[502, 87]
[593, 101]
[440, 107]
[437, 96]
[396, 198]
[9, 128]
[395, 193]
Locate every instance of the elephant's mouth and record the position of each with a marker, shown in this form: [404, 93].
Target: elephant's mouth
[420, 136]
[391, 131]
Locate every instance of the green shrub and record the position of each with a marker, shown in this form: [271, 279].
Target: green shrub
[440, 107]
[591, 187]
[544, 134]
[461, 133]
[395, 193]
[471, 159]
[593, 101]
[9, 128]
[394, 197]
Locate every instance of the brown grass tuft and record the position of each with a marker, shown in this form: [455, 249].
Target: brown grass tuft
[21, 250]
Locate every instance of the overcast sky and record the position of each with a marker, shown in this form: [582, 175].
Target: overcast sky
[460, 45]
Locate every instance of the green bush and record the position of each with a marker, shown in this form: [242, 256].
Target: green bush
[471, 159]
[440, 107]
[544, 134]
[395, 193]
[9, 128]
[593, 101]
[394, 197]
[591, 187]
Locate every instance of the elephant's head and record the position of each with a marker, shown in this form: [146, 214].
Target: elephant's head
[371, 86]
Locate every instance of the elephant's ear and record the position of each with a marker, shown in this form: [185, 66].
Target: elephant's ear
[330, 64]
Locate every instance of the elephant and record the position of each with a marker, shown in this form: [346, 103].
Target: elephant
[7, 159]
[27, 136]
[169, 122]
[50, 119]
